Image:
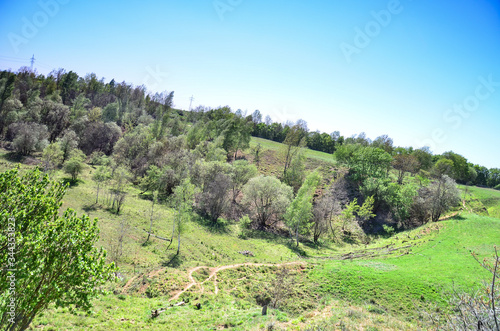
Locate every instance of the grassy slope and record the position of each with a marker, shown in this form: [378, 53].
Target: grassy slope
[275, 146]
[489, 198]
[382, 290]
[422, 276]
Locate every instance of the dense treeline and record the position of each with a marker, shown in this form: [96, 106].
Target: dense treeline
[34, 108]
[130, 135]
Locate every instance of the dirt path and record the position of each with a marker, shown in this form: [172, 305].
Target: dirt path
[214, 271]
[125, 288]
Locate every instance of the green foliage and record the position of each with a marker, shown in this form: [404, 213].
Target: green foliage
[237, 134]
[110, 112]
[389, 230]
[245, 225]
[242, 171]
[460, 168]
[29, 137]
[68, 142]
[74, 165]
[443, 167]
[347, 225]
[183, 201]
[101, 175]
[52, 156]
[266, 199]
[295, 173]
[299, 212]
[54, 258]
[292, 156]
[364, 162]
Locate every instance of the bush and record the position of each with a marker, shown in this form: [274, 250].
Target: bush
[28, 137]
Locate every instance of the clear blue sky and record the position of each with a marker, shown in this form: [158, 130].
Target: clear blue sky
[415, 70]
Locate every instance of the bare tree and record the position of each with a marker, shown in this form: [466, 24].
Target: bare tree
[324, 211]
[479, 310]
[404, 163]
[215, 198]
[433, 200]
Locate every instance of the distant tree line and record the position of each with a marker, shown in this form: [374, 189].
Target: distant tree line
[405, 159]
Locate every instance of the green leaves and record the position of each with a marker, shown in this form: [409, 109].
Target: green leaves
[299, 212]
[55, 257]
[364, 162]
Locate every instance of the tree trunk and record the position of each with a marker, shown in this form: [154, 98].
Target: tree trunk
[173, 231]
[97, 197]
[297, 235]
[178, 241]
[151, 219]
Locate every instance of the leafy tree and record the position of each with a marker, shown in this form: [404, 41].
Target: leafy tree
[494, 177]
[348, 219]
[69, 87]
[110, 112]
[384, 142]
[292, 146]
[120, 178]
[211, 151]
[483, 174]
[266, 198]
[241, 173]
[95, 114]
[404, 163]
[100, 176]
[68, 142]
[424, 157]
[56, 117]
[28, 137]
[295, 173]
[237, 134]
[131, 150]
[443, 167]
[183, 200]
[215, 199]
[55, 260]
[364, 162]
[460, 168]
[299, 213]
[7, 80]
[256, 152]
[100, 136]
[74, 165]
[52, 156]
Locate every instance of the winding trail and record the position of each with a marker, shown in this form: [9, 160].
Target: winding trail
[214, 271]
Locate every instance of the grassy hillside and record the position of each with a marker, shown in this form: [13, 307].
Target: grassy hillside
[378, 286]
[379, 292]
[275, 146]
[487, 197]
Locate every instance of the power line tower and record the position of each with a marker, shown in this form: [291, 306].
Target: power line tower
[190, 102]
[32, 61]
